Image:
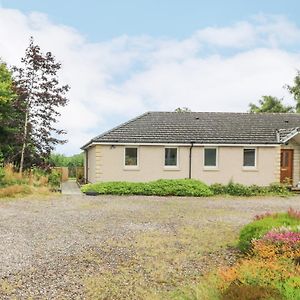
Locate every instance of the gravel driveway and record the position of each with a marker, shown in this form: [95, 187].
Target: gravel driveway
[58, 247]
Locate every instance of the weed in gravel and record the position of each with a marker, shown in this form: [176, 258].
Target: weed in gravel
[154, 262]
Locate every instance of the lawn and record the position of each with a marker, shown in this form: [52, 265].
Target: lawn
[119, 247]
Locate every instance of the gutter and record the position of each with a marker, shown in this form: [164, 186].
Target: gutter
[190, 160]
[86, 165]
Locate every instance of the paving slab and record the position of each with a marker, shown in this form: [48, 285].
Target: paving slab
[70, 187]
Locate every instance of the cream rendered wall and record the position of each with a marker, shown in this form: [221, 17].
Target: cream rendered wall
[106, 163]
[151, 164]
[230, 166]
[94, 163]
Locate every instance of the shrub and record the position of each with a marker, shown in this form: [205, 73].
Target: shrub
[218, 189]
[250, 292]
[258, 228]
[276, 275]
[278, 189]
[2, 176]
[163, 187]
[54, 179]
[237, 189]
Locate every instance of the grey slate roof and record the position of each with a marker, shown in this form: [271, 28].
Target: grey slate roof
[203, 128]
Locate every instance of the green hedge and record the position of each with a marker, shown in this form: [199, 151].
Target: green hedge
[258, 228]
[182, 187]
[162, 187]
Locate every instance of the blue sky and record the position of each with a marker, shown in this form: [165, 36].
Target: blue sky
[105, 19]
[122, 58]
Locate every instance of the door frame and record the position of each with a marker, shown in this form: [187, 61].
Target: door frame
[282, 180]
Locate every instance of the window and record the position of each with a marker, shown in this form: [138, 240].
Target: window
[170, 157]
[131, 156]
[210, 157]
[249, 158]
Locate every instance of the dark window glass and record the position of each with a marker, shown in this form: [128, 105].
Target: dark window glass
[249, 158]
[170, 156]
[210, 157]
[130, 156]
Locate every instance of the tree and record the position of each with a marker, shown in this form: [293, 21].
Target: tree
[39, 96]
[182, 109]
[7, 114]
[270, 104]
[60, 160]
[295, 91]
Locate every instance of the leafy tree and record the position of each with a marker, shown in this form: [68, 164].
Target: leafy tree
[270, 104]
[39, 97]
[295, 91]
[61, 160]
[182, 109]
[7, 114]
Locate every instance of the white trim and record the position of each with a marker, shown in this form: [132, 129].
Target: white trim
[171, 168]
[250, 168]
[130, 167]
[182, 145]
[211, 168]
[290, 137]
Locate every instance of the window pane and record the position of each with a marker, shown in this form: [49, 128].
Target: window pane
[249, 157]
[210, 157]
[170, 157]
[130, 156]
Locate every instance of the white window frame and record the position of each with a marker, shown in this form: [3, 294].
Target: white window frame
[216, 167]
[129, 167]
[255, 159]
[176, 167]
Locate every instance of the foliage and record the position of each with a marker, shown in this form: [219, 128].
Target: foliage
[270, 104]
[250, 292]
[162, 187]
[8, 116]
[183, 187]
[237, 189]
[274, 274]
[260, 227]
[271, 270]
[61, 160]
[39, 96]
[31, 181]
[295, 91]
[182, 109]
[54, 179]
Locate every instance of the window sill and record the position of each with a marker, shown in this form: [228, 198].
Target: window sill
[169, 168]
[250, 169]
[211, 169]
[131, 168]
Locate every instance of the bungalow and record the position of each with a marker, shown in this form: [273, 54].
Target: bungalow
[213, 147]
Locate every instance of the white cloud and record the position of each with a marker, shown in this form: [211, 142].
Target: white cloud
[214, 69]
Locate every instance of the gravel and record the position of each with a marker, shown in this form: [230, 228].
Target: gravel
[43, 240]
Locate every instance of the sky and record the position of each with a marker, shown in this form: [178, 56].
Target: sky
[122, 58]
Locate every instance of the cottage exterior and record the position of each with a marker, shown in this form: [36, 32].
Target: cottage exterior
[213, 147]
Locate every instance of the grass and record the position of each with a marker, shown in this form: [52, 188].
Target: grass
[183, 187]
[13, 184]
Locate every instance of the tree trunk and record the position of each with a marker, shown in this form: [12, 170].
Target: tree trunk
[24, 143]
